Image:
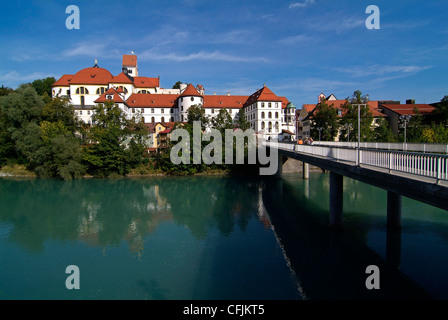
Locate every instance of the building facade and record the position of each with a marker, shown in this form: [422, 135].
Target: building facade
[268, 114]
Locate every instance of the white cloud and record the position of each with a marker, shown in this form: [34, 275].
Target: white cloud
[201, 55]
[379, 70]
[301, 4]
[13, 78]
[294, 39]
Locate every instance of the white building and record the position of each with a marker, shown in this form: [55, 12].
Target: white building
[268, 114]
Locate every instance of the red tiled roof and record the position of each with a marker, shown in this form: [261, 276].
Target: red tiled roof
[142, 100]
[285, 102]
[115, 97]
[129, 60]
[373, 107]
[190, 91]
[217, 101]
[263, 94]
[63, 81]
[145, 82]
[121, 78]
[93, 75]
[408, 109]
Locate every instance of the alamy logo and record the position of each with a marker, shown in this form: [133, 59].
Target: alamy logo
[72, 281]
[73, 20]
[373, 21]
[234, 140]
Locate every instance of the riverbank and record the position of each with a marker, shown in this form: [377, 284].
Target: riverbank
[290, 166]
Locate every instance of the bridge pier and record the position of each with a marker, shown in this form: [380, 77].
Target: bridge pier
[305, 170]
[393, 210]
[336, 199]
[279, 173]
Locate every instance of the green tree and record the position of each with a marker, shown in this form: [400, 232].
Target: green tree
[197, 113]
[441, 110]
[222, 121]
[382, 132]
[114, 142]
[350, 117]
[177, 85]
[325, 117]
[4, 91]
[241, 120]
[43, 86]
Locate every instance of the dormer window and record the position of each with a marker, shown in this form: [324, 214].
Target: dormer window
[109, 97]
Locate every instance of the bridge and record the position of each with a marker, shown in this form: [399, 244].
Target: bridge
[420, 172]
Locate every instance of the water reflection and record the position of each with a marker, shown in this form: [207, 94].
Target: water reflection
[106, 212]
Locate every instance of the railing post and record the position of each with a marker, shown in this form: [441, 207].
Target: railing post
[439, 169]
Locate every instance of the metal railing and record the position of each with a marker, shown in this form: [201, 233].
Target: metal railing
[421, 164]
[398, 146]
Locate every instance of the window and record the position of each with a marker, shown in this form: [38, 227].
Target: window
[143, 119]
[163, 119]
[143, 91]
[88, 113]
[142, 110]
[153, 120]
[82, 90]
[133, 110]
[68, 92]
[262, 115]
[161, 111]
[80, 112]
[124, 89]
[82, 101]
[269, 104]
[262, 125]
[276, 115]
[213, 110]
[172, 119]
[269, 126]
[262, 104]
[339, 112]
[192, 99]
[152, 110]
[172, 111]
[100, 90]
[270, 115]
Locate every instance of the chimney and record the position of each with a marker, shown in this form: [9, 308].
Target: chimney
[228, 93]
[410, 101]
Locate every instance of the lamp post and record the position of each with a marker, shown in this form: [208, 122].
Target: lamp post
[320, 129]
[405, 119]
[358, 160]
[348, 126]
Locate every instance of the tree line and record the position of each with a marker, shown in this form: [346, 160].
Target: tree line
[46, 136]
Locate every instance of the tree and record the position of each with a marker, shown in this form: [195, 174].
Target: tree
[4, 91]
[350, 117]
[441, 110]
[114, 142]
[325, 117]
[222, 121]
[43, 86]
[177, 85]
[382, 132]
[241, 120]
[197, 113]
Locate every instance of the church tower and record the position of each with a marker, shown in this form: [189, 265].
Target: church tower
[129, 65]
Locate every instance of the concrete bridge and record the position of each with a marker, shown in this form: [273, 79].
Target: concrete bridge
[416, 175]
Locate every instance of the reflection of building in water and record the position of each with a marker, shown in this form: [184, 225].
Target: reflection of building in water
[145, 213]
[89, 227]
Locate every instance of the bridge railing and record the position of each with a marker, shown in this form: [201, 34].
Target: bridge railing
[422, 164]
[397, 146]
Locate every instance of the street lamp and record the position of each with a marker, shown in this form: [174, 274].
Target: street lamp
[348, 126]
[320, 129]
[358, 160]
[405, 119]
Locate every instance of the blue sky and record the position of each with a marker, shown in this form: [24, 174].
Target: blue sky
[298, 48]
